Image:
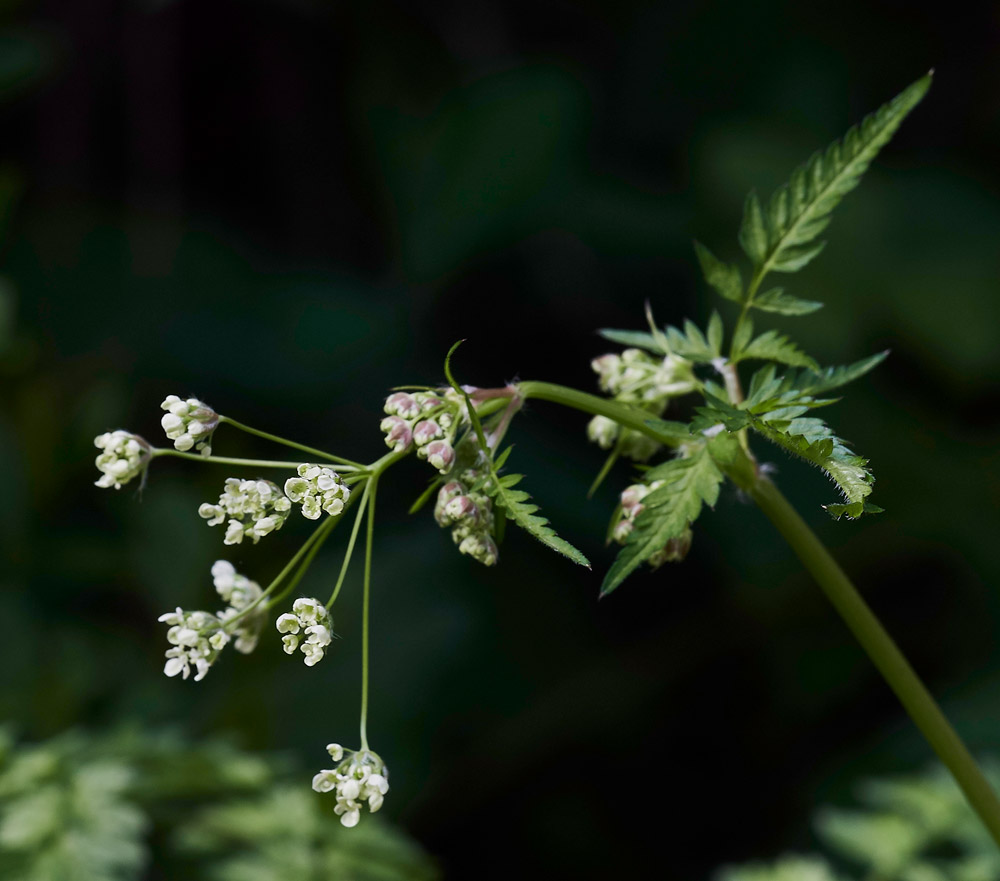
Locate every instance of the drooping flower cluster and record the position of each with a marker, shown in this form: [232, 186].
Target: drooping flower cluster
[196, 638]
[428, 420]
[239, 593]
[123, 456]
[254, 508]
[359, 777]
[317, 489]
[308, 627]
[470, 514]
[189, 423]
[636, 377]
[675, 550]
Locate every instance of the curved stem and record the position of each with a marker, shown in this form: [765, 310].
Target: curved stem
[297, 446]
[631, 417]
[884, 653]
[365, 613]
[222, 460]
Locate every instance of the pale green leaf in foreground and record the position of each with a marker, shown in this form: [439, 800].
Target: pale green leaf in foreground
[776, 300]
[689, 483]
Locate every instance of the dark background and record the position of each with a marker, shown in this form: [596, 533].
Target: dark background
[287, 208]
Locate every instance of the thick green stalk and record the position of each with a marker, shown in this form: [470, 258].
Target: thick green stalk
[886, 656]
[884, 653]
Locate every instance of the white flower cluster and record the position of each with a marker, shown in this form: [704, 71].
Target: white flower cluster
[239, 593]
[254, 508]
[317, 489]
[196, 638]
[189, 423]
[636, 377]
[470, 514]
[358, 778]
[123, 456]
[675, 550]
[308, 627]
[429, 421]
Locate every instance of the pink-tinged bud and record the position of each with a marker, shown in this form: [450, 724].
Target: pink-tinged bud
[429, 402]
[445, 495]
[402, 404]
[397, 432]
[632, 495]
[425, 431]
[623, 529]
[461, 508]
[441, 455]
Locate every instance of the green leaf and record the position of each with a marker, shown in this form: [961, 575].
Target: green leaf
[776, 300]
[773, 346]
[812, 439]
[800, 210]
[690, 343]
[689, 483]
[724, 277]
[715, 332]
[741, 336]
[812, 382]
[518, 507]
[638, 339]
[753, 233]
[671, 433]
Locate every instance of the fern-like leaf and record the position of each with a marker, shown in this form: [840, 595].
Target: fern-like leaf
[667, 511]
[638, 339]
[517, 506]
[773, 346]
[783, 239]
[813, 440]
[776, 300]
[811, 382]
[724, 277]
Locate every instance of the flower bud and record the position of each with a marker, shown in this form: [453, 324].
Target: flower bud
[441, 455]
[425, 431]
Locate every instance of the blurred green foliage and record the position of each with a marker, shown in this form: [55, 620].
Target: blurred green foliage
[917, 827]
[105, 808]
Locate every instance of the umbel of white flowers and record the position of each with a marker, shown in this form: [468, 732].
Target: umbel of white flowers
[358, 778]
[308, 627]
[636, 377]
[189, 423]
[317, 489]
[254, 508]
[196, 638]
[123, 456]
